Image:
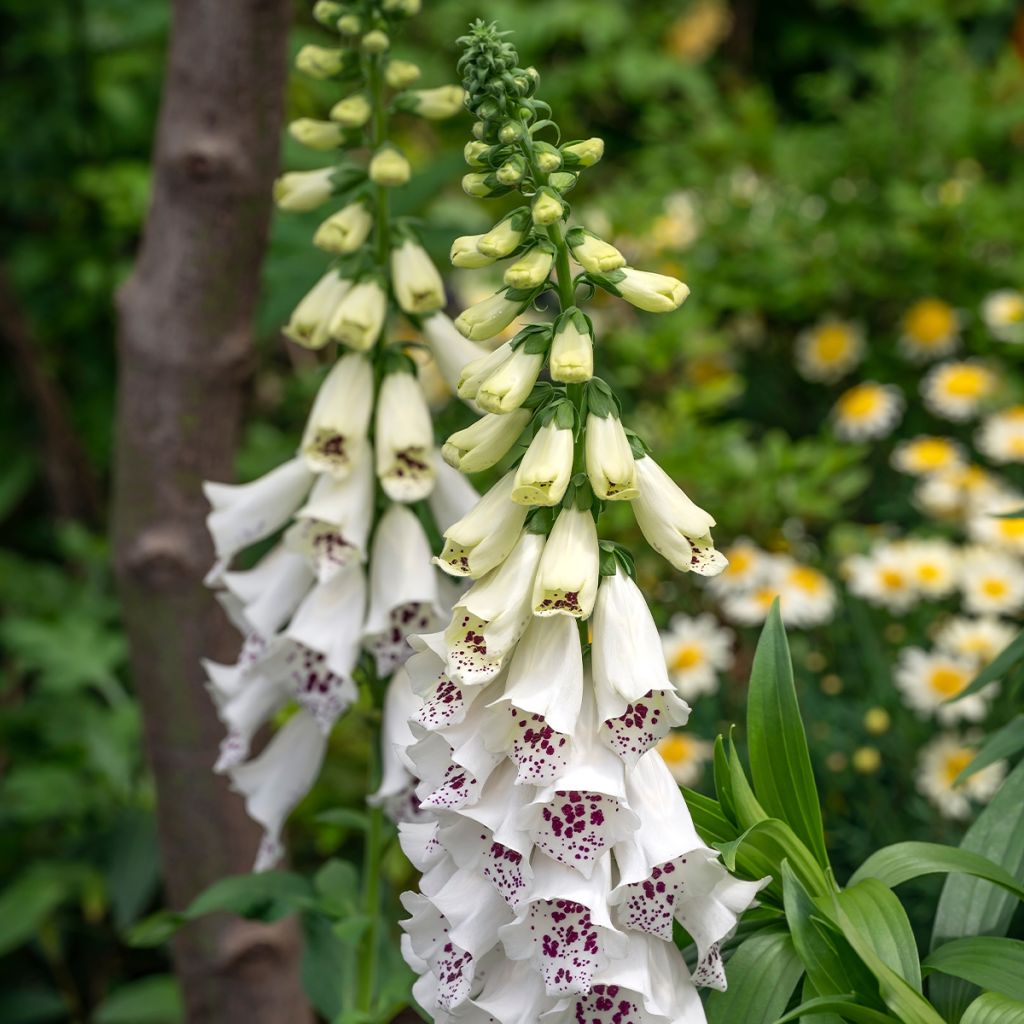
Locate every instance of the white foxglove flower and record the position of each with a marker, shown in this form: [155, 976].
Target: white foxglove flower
[403, 588]
[531, 269]
[610, 464]
[485, 442]
[489, 317]
[316, 134]
[242, 514]
[332, 528]
[594, 254]
[511, 383]
[278, 779]
[311, 317]
[450, 349]
[505, 237]
[329, 622]
[474, 373]
[453, 495]
[483, 537]
[465, 254]
[395, 792]
[404, 439]
[299, 191]
[655, 293]
[335, 435]
[674, 526]
[572, 351]
[418, 285]
[346, 230]
[359, 317]
[545, 470]
[352, 111]
[569, 570]
[490, 617]
[270, 592]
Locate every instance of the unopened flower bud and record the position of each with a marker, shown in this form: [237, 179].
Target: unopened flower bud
[475, 372]
[349, 25]
[655, 293]
[547, 208]
[546, 468]
[511, 383]
[344, 231]
[478, 129]
[479, 184]
[572, 351]
[485, 442]
[583, 154]
[531, 269]
[473, 151]
[359, 317]
[353, 111]
[408, 8]
[505, 237]
[375, 42]
[316, 134]
[320, 61]
[389, 167]
[610, 464]
[311, 317]
[548, 158]
[562, 181]
[464, 253]
[509, 133]
[327, 12]
[434, 104]
[511, 171]
[487, 318]
[400, 74]
[299, 191]
[594, 254]
[418, 285]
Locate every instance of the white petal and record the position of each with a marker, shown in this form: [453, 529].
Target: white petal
[453, 495]
[271, 591]
[330, 620]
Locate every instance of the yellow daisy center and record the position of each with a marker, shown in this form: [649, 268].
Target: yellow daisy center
[930, 322]
[1011, 309]
[764, 597]
[929, 572]
[832, 343]
[809, 580]
[995, 587]
[892, 579]
[861, 402]
[965, 381]
[687, 656]
[947, 681]
[1016, 445]
[1011, 529]
[930, 453]
[740, 561]
[676, 748]
[955, 763]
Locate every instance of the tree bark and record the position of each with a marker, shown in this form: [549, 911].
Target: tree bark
[185, 349]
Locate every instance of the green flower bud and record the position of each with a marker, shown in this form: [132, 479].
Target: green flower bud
[562, 180]
[349, 25]
[327, 12]
[505, 237]
[464, 253]
[480, 184]
[353, 111]
[511, 171]
[407, 8]
[400, 74]
[594, 254]
[434, 104]
[548, 158]
[375, 42]
[316, 134]
[389, 167]
[479, 129]
[474, 151]
[509, 133]
[320, 61]
[583, 154]
[547, 208]
[531, 269]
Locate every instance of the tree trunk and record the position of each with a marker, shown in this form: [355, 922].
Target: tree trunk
[185, 349]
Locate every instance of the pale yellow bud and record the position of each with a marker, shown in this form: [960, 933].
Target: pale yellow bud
[585, 153]
[418, 285]
[353, 111]
[400, 74]
[437, 104]
[316, 134]
[511, 383]
[655, 293]
[487, 318]
[344, 231]
[389, 167]
[546, 468]
[594, 254]
[473, 151]
[476, 184]
[503, 238]
[547, 208]
[349, 25]
[375, 42]
[531, 269]
[465, 254]
[299, 191]
[319, 61]
[572, 354]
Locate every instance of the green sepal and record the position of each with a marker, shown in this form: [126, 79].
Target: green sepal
[637, 445]
[563, 181]
[540, 521]
[614, 557]
[543, 392]
[346, 177]
[534, 339]
[601, 400]
[609, 282]
[394, 360]
[577, 318]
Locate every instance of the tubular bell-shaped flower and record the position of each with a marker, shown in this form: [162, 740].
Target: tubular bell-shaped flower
[556, 850]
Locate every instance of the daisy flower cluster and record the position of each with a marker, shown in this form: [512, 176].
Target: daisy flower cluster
[940, 763]
[556, 849]
[348, 574]
[754, 578]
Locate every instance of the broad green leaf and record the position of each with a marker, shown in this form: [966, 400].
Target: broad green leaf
[27, 902]
[833, 969]
[723, 781]
[904, 861]
[32, 1006]
[326, 965]
[344, 816]
[262, 897]
[763, 973]
[847, 1009]
[775, 842]
[996, 669]
[711, 824]
[993, 1008]
[779, 759]
[153, 1000]
[994, 964]
[972, 906]
[748, 811]
[879, 915]
[1004, 742]
[154, 930]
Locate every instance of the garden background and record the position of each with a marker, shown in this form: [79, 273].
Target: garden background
[798, 164]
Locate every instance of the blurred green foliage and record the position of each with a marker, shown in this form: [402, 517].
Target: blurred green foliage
[843, 156]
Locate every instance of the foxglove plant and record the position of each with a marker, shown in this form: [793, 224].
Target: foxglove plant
[348, 577]
[557, 852]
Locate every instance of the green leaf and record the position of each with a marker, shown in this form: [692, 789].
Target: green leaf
[324, 965]
[973, 906]
[153, 1000]
[723, 781]
[32, 1006]
[779, 759]
[904, 861]
[344, 816]
[1005, 742]
[27, 903]
[763, 973]
[996, 669]
[994, 964]
[875, 910]
[748, 811]
[776, 843]
[154, 930]
[833, 1004]
[711, 824]
[993, 1008]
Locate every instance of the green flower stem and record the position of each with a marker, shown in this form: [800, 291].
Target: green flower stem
[378, 135]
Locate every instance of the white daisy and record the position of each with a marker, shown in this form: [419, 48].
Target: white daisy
[696, 649]
[951, 493]
[941, 761]
[933, 566]
[828, 350]
[1003, 313]
[927, 679]
[867, 411]
[1001, 525]
[926, 454]
[956, 390]
[685, 755]
[930, 329]
[750, 607]
[882, 577]
[807, 596]
[747, 566]
[977, 640]
[1001, 436]
[992, 581]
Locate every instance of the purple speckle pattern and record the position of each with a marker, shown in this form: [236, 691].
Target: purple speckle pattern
[254, 647]
[710, 972]
[539, 752]
[444, 707]
[638, 728]
[328, 450]
[322, 693]
[575, 827]
[390, 648]
[609, 1004]
[650, 904]
[467, 650]
[566, 945]
[454, 970]
[503, 868]
[326, 548]
[457, 789]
